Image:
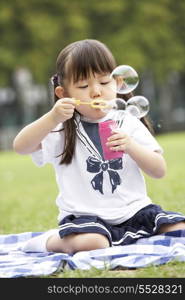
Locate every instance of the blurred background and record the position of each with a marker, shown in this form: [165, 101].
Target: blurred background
[147, 35]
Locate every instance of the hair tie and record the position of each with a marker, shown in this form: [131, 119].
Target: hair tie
[54, 80]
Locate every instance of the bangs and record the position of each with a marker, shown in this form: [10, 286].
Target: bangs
[88, 57]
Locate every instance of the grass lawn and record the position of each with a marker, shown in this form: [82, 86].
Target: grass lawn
[28, 193]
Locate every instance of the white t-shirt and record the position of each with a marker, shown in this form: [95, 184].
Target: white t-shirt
[112, 190]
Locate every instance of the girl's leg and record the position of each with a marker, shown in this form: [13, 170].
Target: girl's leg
[38, 243]
[76, 242]
[172, 227]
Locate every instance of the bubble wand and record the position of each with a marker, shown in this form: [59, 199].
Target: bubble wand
[94, 104]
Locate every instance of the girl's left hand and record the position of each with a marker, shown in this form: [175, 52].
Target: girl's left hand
[119, 141]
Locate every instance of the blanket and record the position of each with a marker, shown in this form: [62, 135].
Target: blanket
[155, 250]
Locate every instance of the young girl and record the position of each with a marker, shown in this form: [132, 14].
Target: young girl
[101, 203]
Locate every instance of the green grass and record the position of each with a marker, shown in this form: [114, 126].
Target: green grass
[28, 193]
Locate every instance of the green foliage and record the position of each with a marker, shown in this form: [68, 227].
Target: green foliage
[145, 34]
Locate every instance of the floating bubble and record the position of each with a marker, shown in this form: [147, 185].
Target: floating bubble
[120, 104]
[138, 106]
[133, 110]
[116, 104]
[126, 79]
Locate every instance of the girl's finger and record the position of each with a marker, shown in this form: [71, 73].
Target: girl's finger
[66, 101]
[116, 142]
[67, 105]
[67, 113]
[115, 136]
[118, 148]
[70, 109]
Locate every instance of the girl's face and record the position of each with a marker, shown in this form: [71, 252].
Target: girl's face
[96, 87]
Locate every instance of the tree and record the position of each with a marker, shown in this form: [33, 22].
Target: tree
[145, 34]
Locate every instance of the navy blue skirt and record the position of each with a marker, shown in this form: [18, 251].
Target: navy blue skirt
[146, 222]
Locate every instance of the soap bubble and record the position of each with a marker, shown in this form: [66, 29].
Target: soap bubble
[116, 104]
[138, 106]
[133, 110]
[120, 104]
[126, 79]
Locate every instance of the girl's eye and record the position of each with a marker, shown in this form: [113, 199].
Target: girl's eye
[83, 86]
[105, 82]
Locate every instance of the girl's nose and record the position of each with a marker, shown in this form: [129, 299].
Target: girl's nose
[95, 91]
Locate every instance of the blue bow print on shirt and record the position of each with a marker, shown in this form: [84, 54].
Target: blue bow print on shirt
[96, 166]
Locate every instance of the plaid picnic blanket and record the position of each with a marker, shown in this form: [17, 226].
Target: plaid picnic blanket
[155, 250]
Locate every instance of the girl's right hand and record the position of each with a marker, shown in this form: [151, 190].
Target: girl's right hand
[63, 110]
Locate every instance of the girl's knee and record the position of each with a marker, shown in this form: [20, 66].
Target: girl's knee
[77, 242]
[172, 227]
[89, 241]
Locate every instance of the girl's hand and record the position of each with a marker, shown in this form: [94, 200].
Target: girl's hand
[63, 110]
[151, 162]
[119, 141]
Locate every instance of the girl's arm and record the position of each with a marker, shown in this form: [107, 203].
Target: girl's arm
[151, 162]
[29, 138]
